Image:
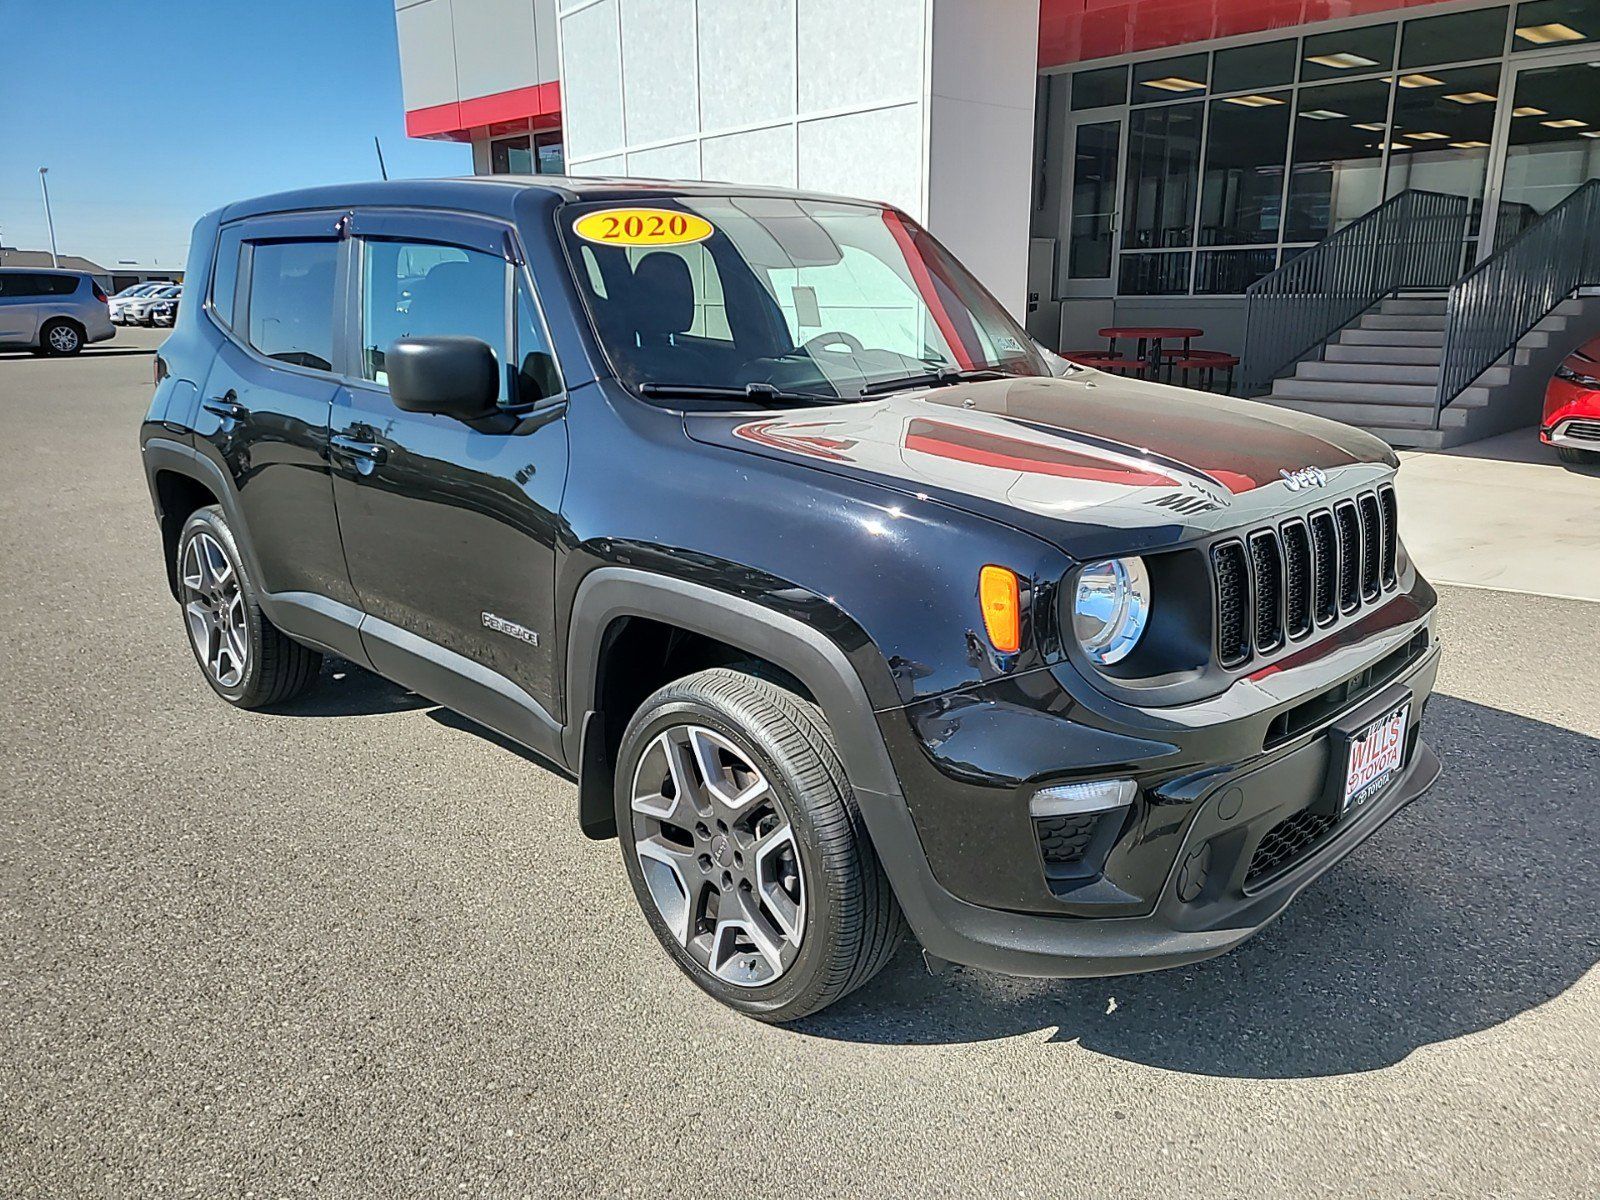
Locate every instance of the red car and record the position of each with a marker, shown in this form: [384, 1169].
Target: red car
[1572, 407]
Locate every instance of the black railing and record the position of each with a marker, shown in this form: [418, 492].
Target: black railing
[1496, 304]
[1412, 240]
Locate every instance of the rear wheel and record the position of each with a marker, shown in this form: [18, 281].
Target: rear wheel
[60, 338]
[246, 659]
[745, 847]
[1582, 458]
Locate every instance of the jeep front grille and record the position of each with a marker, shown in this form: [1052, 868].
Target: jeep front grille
[1282, 581]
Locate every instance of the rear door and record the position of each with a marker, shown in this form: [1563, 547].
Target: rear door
[20, 294]
[450, 529]
[263, 413]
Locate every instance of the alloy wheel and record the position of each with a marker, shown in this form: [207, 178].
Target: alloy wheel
[64, 339]
[214, 609]
[718, 855]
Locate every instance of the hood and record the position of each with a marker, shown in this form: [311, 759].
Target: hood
[1092, 463]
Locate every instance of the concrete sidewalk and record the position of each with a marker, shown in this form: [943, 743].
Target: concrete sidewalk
[1503, 513]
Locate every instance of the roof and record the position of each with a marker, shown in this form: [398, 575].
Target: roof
[40, 259]
[495, 194]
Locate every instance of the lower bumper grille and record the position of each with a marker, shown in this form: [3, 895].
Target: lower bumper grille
[1290, 840]
[1065, 840]
[1581, 431]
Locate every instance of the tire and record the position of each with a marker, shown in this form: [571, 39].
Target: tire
[219, 604]
[795, 849]
[61, 338]
[1580, 458]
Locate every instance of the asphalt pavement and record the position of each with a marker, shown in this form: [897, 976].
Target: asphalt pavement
[359, 947]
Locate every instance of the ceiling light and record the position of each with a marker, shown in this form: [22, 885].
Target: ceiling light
[1590, 133]
[1543, 35]
[1427, 136]
[1472, 97]
[1393, 146]
[1173, 83]
[1372, 126]
[1528, 110]
[1419, 80]
[1564, 123]
[1469, 145]
[1254, 101]
[1342, 61]
[1321, 114]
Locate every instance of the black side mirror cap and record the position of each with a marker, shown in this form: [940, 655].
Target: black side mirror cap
[451, 376]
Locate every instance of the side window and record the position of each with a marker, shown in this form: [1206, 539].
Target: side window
[291, 301]
[58, 285]
[538, 377]
[24, 285]
[415, 289]
[225, 276]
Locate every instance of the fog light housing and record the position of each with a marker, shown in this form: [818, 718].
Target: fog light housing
[1076, 824]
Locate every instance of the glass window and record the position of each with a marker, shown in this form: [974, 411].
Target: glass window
[1443, 124]
[417, 289]
[1241, 192]
[1154, 274]
[1553, 146]
[57, 285]
[1347, 52]
[1246, 68]
[511, 156]
[20, 283]
[291, 301]
[1337, 172]
[1545, 23]
[1454, 37]
[1097, 89]
[823, 297]
[1229, 272]
[1168, 78]
[549, 154]
[225, 276]
[1094, 199]
[538, 377]
[1163, 163]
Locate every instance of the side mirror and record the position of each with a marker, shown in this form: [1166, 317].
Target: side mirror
[451, 376]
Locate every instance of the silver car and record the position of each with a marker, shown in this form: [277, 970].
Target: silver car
[51, 312]
[137, 311]
[120, 302]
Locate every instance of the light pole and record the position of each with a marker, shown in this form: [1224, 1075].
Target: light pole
[48, 219]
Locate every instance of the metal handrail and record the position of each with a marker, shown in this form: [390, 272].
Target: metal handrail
[1412, 240]
[1496, 304]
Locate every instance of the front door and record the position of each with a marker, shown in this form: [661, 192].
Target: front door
[1550, 138]
[450, 528]
[1094, 199]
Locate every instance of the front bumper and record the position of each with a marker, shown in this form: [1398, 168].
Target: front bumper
[1187, 876]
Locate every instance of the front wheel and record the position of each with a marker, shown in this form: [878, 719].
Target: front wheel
[246, 659]
[745, 847]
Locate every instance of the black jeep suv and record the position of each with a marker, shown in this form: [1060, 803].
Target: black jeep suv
[848, 608]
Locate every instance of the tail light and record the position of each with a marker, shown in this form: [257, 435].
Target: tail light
[99, 292]
[160, 370]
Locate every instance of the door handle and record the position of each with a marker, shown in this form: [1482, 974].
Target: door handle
[225, 406]
[356, 448]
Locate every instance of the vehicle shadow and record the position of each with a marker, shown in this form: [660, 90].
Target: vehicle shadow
[1479, 902]
[347, 690]
[86, 352]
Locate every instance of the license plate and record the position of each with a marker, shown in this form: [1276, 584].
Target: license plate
[1374, 756]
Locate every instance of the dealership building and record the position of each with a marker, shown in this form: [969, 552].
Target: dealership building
[1287, 176]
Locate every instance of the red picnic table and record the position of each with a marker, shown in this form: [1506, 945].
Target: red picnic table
[1149, 338]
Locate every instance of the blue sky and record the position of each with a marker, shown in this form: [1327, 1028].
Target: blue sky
[150, 112]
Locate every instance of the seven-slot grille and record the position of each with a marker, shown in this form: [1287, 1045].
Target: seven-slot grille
[1581, 431]
[1283, 581]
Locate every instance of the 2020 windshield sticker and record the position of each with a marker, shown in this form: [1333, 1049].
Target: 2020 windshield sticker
[642, 227]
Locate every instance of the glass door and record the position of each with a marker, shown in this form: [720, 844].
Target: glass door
[1089, 251]
[1550, 139]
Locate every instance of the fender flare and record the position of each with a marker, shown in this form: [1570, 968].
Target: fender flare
[164, 454]
[609, 593]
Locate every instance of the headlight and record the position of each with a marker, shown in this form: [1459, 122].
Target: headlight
[1110, 606]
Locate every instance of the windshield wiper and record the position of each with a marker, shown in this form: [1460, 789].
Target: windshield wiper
[943, 377]
[762, 393]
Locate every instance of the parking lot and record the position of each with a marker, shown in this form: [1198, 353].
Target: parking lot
[359, 946]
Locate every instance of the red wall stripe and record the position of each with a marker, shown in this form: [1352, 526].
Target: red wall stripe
[540, 103]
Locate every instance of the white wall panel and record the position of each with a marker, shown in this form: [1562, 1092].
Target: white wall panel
[746, 62]
[591, 81]
[544, 40]
[658, 72]
[494, 45]
[876, 155]
[614, 164]
[680, 161]
[763, 156]
[427, 57]
[853, 54]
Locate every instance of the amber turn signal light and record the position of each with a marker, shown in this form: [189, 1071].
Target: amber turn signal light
[1000, 594]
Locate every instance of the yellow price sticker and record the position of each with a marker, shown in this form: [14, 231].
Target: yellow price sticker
[642, 227]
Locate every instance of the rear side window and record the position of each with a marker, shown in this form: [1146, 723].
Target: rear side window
[416, 289]
[59, 285]
[291, 302]
[225, 276]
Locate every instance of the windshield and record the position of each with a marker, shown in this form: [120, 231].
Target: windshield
[806, 298]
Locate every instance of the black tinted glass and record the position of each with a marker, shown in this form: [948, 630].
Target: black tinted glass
[1455, 37]
[1245, 67]
[1163, 162]
[1169, 78]
[511, 156]
[1543, 24]
[537, 375]
[291, 301]
[225, 276]
[1155, 274]
[1347, 52]
[1241, 198]
[1096, 89]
